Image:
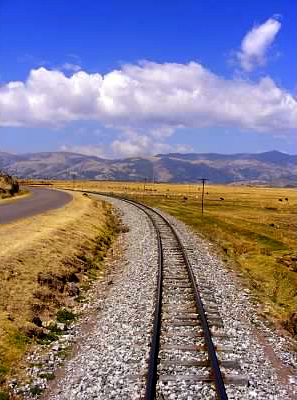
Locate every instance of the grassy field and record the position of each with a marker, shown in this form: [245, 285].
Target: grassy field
[253, 227]
[45, 262]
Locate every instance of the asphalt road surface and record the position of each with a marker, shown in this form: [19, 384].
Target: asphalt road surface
[40, 201]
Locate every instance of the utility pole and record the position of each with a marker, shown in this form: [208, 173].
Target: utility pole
[202, 197]
[153, 171]
[143, 194]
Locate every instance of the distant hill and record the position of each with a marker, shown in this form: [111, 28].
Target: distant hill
[269, 168]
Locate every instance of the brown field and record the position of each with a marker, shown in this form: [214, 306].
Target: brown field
[45, 262]
[253, 227]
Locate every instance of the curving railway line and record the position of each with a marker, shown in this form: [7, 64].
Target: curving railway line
[185, 353]
[160, 325]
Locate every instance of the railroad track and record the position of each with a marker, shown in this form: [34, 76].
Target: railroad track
[190, 357]
[185, 353]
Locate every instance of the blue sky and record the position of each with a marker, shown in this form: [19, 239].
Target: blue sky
[126, 78]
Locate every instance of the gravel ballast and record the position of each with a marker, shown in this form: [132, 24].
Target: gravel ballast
[111, 359]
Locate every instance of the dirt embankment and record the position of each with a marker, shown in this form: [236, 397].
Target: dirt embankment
[45, 262]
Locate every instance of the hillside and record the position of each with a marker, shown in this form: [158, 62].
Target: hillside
[269, 168]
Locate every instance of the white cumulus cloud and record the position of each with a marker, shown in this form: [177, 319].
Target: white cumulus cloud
[88, 150]
[151, 98]
[256, 43]
[127, 147]
[139, 146]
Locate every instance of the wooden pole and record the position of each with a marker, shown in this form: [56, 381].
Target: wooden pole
[202, 197]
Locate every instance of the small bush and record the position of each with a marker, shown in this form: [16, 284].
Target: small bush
[65, 316]
[50, 337]
[35, 390]
[47, 375]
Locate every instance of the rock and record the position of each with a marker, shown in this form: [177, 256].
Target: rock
[56, 347]
[13, 382]
[61, 326]
[49, 324]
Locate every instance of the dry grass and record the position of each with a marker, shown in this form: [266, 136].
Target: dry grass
[39, 257]
[251, 226]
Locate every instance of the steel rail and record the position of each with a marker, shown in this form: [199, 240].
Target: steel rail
[150, 391]
[214, 363]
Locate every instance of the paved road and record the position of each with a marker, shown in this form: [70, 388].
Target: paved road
[42, 200]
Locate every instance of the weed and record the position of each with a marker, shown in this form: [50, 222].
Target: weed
[65, 315]
[19, 340]
[47, 375]
[35, 390]
[50, 337]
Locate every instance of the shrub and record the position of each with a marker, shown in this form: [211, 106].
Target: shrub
[65, 315]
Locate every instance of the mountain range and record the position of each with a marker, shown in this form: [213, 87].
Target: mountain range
[269, 168]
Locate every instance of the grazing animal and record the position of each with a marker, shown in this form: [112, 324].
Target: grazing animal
[222, 198]
[280, 199]
[286, 199]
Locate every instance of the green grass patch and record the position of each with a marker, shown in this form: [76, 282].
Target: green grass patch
[49, 338]
[19, 340]
[65, 315]
[36, 390]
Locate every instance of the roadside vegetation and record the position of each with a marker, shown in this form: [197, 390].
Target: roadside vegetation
[254, 228]
[9, 186]
[7, 198]
[46, 264]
